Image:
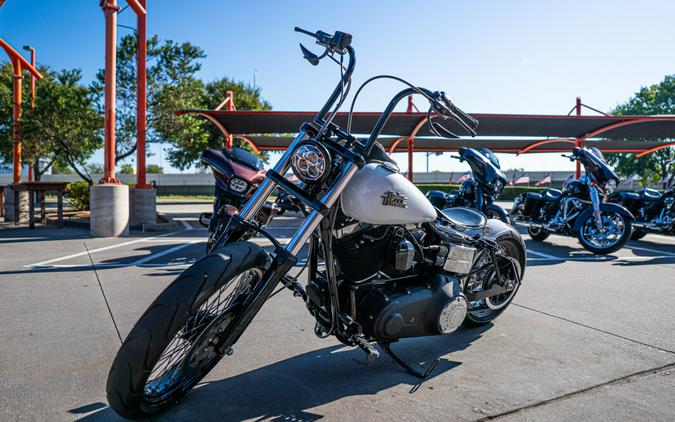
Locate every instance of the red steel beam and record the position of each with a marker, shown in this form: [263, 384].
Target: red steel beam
[578, 143]
[544, 142]
[650, 150]
[19, 63]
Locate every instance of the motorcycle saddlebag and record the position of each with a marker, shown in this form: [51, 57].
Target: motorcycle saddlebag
[527, 204]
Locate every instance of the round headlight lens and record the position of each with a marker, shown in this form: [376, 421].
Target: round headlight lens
[238, 185]
[610, 186]
[310, 162]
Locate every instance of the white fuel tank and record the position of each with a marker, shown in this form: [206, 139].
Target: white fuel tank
[378, 195]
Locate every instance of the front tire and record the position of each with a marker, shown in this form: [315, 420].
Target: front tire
[176, 342]
[614, 235]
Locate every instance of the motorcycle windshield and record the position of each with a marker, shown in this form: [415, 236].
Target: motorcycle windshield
[244, 157]
[595, 165]
[484, 170]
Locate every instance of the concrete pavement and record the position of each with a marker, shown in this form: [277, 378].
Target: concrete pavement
[588, 338]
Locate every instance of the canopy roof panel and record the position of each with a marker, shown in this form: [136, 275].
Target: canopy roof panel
[402, 124]
[516, 133]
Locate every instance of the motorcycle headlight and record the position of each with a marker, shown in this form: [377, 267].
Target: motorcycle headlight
[498, 186]
[310, 162]
[610, 186]
[238, 185]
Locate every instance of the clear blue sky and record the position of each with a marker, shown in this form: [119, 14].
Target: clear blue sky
[489, 56]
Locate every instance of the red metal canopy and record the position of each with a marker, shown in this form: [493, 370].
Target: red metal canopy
[515, 133]
[403, 124]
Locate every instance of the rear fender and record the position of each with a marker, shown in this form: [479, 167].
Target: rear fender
[497, 210]
[605, 206]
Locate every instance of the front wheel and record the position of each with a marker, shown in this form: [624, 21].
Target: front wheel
[180, 338]
[615, 232]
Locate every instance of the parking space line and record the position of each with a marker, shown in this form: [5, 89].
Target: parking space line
[544, 255]
[162, 253]
[641, 248]
[105, 248]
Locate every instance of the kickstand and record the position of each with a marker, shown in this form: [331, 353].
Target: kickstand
[408, 368]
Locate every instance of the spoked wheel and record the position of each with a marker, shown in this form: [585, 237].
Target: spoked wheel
[183, 334]
[486, 310]
[615, 232]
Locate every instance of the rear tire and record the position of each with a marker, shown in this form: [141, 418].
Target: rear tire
[492, 307]
[537, 233]
[184, 314]
[638, 234]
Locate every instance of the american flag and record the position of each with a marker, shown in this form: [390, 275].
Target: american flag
[464, 177]
[545, 180]
[522, 180]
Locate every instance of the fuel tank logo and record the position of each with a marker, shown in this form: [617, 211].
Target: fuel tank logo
[394, 199]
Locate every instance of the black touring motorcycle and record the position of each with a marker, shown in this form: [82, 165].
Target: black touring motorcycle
[422, 272]
[579, 209]
[481, 191]
[654, 211]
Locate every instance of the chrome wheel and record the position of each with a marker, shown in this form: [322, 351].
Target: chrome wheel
[611, 233]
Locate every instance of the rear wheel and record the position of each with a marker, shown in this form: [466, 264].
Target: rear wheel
[615, 232]
[180, 338]
[537, 233]
[486, 310]
[638, 234]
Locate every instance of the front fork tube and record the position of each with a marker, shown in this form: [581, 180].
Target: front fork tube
[595, 200]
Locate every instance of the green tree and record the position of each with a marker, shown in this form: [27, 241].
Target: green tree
[651, 100]
[94, 168]
[127, 169]
[190, 135]
[154, 169]
[64, 129]
[169, 64]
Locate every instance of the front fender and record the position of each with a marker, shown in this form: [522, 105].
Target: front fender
[498, 230]
[605, 206]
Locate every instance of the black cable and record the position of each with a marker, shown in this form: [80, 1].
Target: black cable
[363, 85]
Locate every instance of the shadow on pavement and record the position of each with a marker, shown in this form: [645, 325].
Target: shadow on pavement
[287, 389]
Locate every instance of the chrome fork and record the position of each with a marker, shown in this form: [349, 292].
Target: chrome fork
[595, 200]
[312, 221]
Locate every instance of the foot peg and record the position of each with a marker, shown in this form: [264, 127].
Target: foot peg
[367, 347]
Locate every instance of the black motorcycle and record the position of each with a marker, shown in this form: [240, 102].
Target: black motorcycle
[382, 262]
[481, 191]
[654, 211]
[578, 210]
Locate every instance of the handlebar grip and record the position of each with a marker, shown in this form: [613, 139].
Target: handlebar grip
[468, 120]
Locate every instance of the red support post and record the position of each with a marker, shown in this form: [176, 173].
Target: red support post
[141, 84]
[230, 107]
[32, 99]
[579, 141]
[16, 121]
[110, 10]
[411, 143]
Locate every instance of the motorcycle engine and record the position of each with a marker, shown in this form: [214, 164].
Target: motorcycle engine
[436, 306]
